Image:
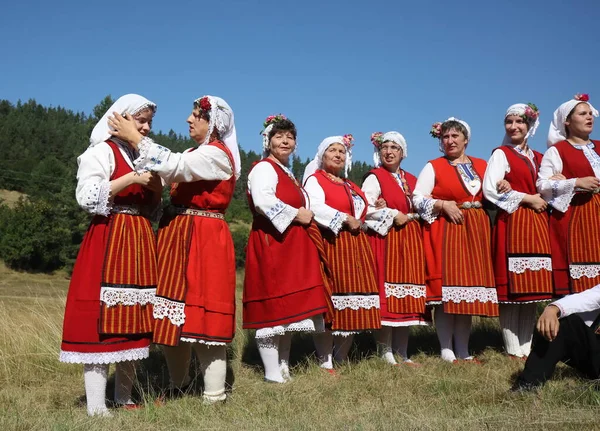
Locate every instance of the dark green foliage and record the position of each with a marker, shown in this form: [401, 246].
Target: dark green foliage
[240, 240]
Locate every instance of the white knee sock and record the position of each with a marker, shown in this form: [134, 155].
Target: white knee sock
[444, 326]
[462, 332]
[285, 345]
[341, 347]
[213, 363]
[527, 319]
[268, 348]
[509, 321]
[94, 377]
[400, 341]
[384, 344]
[178, 362]
[324, 347]
[124, 377]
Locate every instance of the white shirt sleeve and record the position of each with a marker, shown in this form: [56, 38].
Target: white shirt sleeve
[558, 193]
[422, 199]
[96, 166]
[262, 185]
[497, 168]
[325, 216]
[379, 220]
[583, 302]
[206, 162]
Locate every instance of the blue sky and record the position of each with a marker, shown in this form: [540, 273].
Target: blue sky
[333, 67]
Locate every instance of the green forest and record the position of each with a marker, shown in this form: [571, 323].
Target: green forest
[39, 145]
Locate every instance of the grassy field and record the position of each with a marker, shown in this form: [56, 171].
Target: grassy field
[38, 392]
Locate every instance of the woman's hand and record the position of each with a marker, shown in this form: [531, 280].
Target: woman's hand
[144, 179]
[589, 184]
[401, 219]
[124, 128]
[155, 184]
[380, 204]
[503, 186]
[352, 224]
[452, 212]
[304, 216]
[535, 202]
[558, 177]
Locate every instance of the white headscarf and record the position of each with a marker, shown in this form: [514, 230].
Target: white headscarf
[464, 123]
[221, 117]
[519, 109]
[130, 104]
[317, 162]
[394, 137]
[557, 130]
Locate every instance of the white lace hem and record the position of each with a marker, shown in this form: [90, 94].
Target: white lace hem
[519, 265]
[425, 209]
[283, 218]
[346, 333]
[104, 357]
[510, 201]
[355, 302]
[164, 307]
[151, 155]
[112, 296]
[405, 323]
[460, 294]
[588, 271]
[312, 324]
[403, 290]
[200, 341]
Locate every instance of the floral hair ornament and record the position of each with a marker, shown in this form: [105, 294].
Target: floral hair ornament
[582, 97]
[268, 124]
[532, 113]
[377, 139]
[436, 130]
[348, 140]
[204, 104]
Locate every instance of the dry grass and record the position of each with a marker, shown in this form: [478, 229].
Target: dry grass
[38, 392]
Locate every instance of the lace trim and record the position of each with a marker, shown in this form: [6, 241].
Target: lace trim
[345, 333]
[104, 357]
[151, 155]
[426, 210]
[592, 157]
[469, 294]
[519, 265]
[284, 218]
[112, 296]
[164, 307]
[200, 341]
[355, 302]
[405, 323]
[383, 222]
[562, 194]
[100, 200]
[314, 324]
[403, 290]
[588, 271]
[510, 201]
[335, 225]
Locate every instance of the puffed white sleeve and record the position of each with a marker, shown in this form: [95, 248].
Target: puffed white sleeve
[558, 193]
[262, 184]
[497, 168]
[422, 199]
[581, 302]
[96, 166]
[207, 162]
[379, 220]
[325, 215]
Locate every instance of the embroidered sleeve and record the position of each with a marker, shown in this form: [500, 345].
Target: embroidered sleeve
[558, 193]
[262, 184]
[582, 302]
[325, 215]
[379, 220]
[422, 200]
[207, 162]
[497, 168]
[96, 165]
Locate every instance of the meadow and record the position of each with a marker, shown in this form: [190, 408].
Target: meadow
[39, 393]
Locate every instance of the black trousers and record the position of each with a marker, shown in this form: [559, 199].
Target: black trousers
[576, 345]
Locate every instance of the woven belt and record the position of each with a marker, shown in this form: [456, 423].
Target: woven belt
[126, 209]
[196, 212]
[469, 205]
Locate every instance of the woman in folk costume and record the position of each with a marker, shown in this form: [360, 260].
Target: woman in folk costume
[195, 296]
[283, 285]
[521, 242]
[575, 217]
[108, 316]
[339, 208]
[456, 239]
[397, 242]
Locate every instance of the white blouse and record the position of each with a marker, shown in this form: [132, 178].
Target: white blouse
[558, 193]
[262, 184]
[497, 169]
[379, 220]
[207, 162]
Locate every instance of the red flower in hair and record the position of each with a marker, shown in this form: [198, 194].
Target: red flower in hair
[205, 104]
[582, 97]
[347, 141]
[376, 139]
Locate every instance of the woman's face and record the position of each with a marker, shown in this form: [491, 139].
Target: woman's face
[198, 126]
[334, 158]
[516, 128]
[454, 143]
[282, 145]
[391, 155]
[581, 121]
[143, 121]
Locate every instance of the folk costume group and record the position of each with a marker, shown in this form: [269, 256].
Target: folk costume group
[326, 256]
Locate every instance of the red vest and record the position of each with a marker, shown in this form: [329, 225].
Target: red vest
[339, 195]
[134, 194]
[522, 175]
[206, 195]
[391, 191]
[448, 182]
[575, 164]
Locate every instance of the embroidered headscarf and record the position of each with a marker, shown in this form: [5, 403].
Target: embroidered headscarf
[317, 162]
[529, 113]
[379, 138]
[557, 130]
[221, 117]
[128, 104]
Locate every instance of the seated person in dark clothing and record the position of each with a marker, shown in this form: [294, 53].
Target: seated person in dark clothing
[567, 331]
